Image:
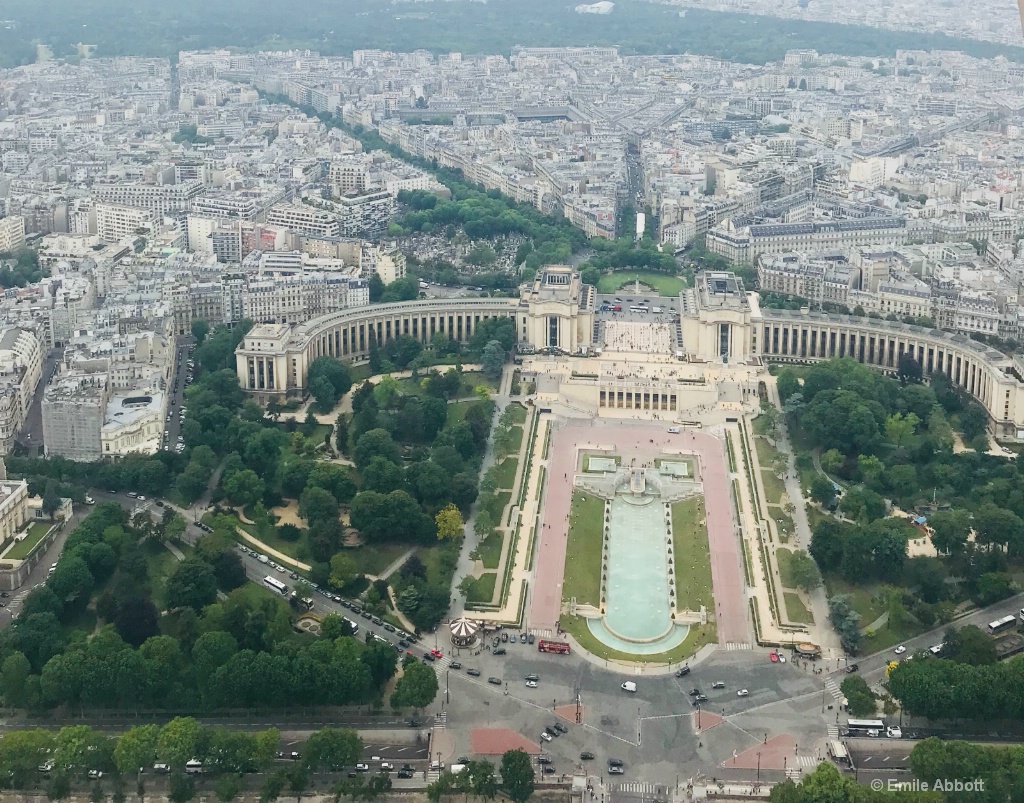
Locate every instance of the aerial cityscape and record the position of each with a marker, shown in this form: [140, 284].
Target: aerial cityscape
[299, 328]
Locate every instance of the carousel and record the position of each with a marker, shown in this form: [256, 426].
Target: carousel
[464, 632]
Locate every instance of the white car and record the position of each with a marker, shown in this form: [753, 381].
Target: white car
[743, 693]
[545, 736]
[782, 658]
[900, 650]
[531, 684]
[894, 732]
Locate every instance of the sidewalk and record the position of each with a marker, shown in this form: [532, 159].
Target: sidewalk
[822, 633]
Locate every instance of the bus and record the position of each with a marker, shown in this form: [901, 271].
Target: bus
[1022, 617]
[557, 647]
[353, 625]
[1002, 625]
[865, 727]
[275, 585]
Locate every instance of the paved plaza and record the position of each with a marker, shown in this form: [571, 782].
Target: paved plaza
[645, 443]
[653, 338]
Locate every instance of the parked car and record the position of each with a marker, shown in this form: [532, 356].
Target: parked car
[558, 726]
[531, 684]
[543, 760]
[718, 684]
[586, 755]
[362, 767]
[494, 681]
[499, 651]
[743, 693]
[545, 736]
[473, 673]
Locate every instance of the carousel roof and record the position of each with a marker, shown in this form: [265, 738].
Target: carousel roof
[464, 629]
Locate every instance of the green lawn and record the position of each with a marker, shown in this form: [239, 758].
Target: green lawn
[489, 551]
[576, 626]
[583, 552]
[784, 558]
[783, 521]
[665, 284]
[457, 412]
[796, 611]
[505, 473]
[766, 453]
[497, 505]
[21, 550]
[693, 556]
[888, 636]
[517, 439]
[773, 487]
[481, 590]
[863, 599]
[518, 413]
[433, 558]
[375, 559]
[471, 380]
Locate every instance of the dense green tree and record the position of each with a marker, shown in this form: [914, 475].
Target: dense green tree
[416, 688]
[861, 699]
[192, 584]
[331, 749]
[375, 443]
[517, 778]
[318, 505]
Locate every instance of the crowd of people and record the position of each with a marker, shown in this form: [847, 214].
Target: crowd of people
[648, 338]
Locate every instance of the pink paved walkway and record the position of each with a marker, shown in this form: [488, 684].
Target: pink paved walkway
[723, 540]
[726, 566]
[546, 602]
[495, 741]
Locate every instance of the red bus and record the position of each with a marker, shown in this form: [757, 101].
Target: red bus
[559, 647]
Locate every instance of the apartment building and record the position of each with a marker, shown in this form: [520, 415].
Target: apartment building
[304, 219]
[21, 366]
[826, 278]
[160, 199]
[115, 222]
[365, 214]
[74, 408]
[744, 244]
[12, 233]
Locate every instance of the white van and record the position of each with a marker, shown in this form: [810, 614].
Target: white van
[455, 769]
[263, 559]
[629, 686]
[673, 430]
[193, 767]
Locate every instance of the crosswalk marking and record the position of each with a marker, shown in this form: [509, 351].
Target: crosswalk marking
[832, 731]
[833, 688]
[806, 761]
[793, 773]
[733, 645]
[637, 787]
